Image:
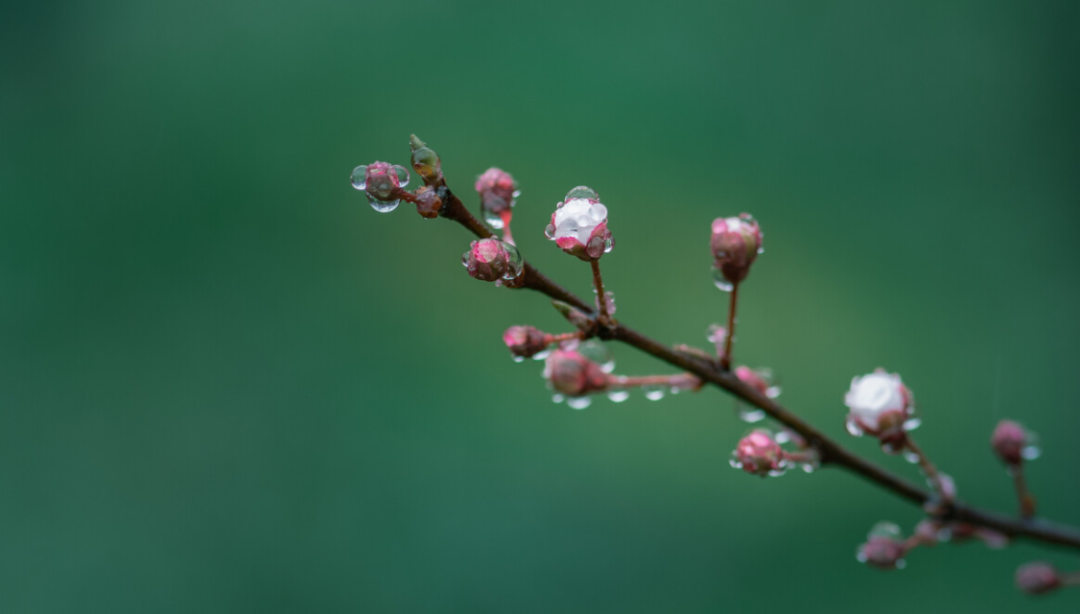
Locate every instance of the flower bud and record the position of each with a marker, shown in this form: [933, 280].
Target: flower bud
[491, 260]
[1037, 578]
[882, 406]
[525, 341]
[573, 375]
[428, 202]
[736, 243]
[579, 225]
[1009, 441]
[382, 182]
[425, 161]
[759, 454]
[760, 380]
[575, 316]
[497, 193]
[884, 547]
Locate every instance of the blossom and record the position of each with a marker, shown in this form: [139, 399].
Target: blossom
[492, 260]
[572, 374]
[880, 405]
[579, 225]
[735, 243]
[759, 454]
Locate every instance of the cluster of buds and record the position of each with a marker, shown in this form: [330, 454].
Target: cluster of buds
[579, 225]
[735, 243]
[882, 406]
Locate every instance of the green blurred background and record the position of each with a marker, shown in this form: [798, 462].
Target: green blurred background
[228, 385]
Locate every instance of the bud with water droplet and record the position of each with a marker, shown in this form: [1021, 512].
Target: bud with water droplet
[1013, 443]
[758, 453]
[525, 341]
[383, 184]
[735, 244]
[572, 374]
[498, 192]
[428, 202]
[579, 225]
[882, 406]
[492, 260]
[884, 547]
[425, 162]
[1037, 578]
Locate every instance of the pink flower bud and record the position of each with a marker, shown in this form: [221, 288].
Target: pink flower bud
[491, 260]
[428, 202]
[382, 182]
[573, 375]
[882, 406]
[579, 225]
[1009, 440]
[525, 341]
[884, 547]
[759, 380]
[497, 193]
[1037, 578]
[759, 454]
[736, 243]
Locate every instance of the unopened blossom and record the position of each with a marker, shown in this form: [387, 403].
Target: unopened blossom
[1009, 441]
[735, 244]
[497, 193]
[1037, 578]
[884, 547]
[572, 374]
[525, 341]
[491, 260]
[880, 405]
[382, 182]
[759, 454]
[758, 380]
[579, 225]
[428, 202]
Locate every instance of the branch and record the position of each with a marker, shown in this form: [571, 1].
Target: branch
[831, 452]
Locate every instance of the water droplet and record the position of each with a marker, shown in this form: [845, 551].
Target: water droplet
[579, 403]
[514, 262]
[557, 398]
[402, 175]
[809, 467]
[549, 232]
[609, 297]
[748, 413]
[599, 353]
[735, 463]
[901, 563]
[860, 556]
[721, 281]
[1031, 452]
[654, 393]
[911, 457]
[912, 423]
[886, 529]
[853, 427]
[582, 192]
[382, 206]
[609, 245]
[359, 177]
[492, 219]
[543, 354]
[518, 358]
[618, 396]
[783, 437]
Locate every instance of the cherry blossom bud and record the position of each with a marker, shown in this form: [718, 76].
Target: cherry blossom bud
[736, 243]
[926, 532]
[1037, 578]
[1012, 443]
[579, 225]
[425, 161]
[382, 182]
[525, 341]
[572, 374]
[884, 547]
[759, 454]
[492, 260]
[882, 406]
[575, 316]
[760, 380]
[497, 193]
[428, 202]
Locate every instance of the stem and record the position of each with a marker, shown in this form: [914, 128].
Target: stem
[623, 381]
[725, 360]
[1027, 501]
[929, 470]
[604, 318]
[830, 452]
[1069, 579]
[549, 339]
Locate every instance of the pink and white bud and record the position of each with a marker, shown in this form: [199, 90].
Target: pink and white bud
[1009, 442]
[572, 374]
[884, 547]
[759, 454]
[882, 406]
[735, 243]
[525, 341]
[382, 182]
[428, 202]
[579, 225]
[1037, 578]
[497, 193]
[492, 260]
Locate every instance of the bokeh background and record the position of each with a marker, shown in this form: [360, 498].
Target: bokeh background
[228, 385]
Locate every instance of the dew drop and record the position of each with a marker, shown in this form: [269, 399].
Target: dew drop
[609, 245]
[382, 206]
[721, 281]
[886, 529]
[519, 358]
[1031, 452]
[911, 457]
[402, 175]
[598, 353]
[901, 563]
[359, 177]
[492, 219]
[736, 464]
[618, 396]
[853, 427]
[860, 556]
[514, 262]
[557, 398]
[549, 231]
[579, 403]
[582, 192]
[654, 393]
[912, 423]
[749, 414]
